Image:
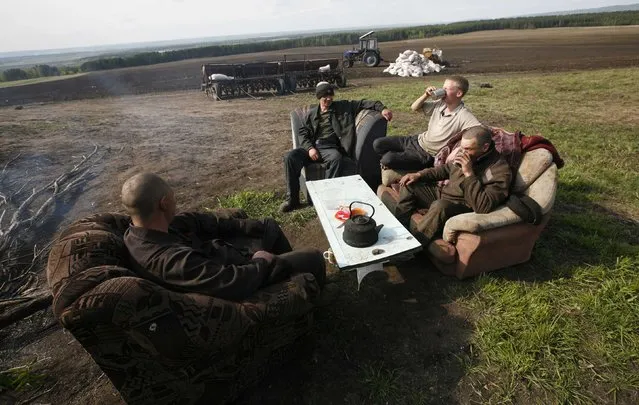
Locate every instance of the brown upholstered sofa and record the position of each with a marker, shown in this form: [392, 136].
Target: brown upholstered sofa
[369, 125]
[475, 243]
[163, 347]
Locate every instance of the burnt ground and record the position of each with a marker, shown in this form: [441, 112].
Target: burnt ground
[404, 325]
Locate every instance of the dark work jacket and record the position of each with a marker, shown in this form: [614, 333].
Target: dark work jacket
[484, 191]
[193, 256]
[343, 113]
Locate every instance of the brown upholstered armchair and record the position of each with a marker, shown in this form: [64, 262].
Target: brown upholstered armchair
[163, 347]
[369, 125]
[475, 243]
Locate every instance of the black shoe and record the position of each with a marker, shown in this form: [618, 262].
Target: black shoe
[289, 205]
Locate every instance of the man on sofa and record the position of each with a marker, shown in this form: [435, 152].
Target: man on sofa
[191, 252]
[447, 116]
[327, 133]
[478, 180]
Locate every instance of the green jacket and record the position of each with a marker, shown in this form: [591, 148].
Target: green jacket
[344, 113]
[484, 191]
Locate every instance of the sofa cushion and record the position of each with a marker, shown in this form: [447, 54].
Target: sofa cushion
[533, 164]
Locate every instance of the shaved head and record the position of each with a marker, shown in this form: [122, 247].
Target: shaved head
[142, 193]
[480, 133]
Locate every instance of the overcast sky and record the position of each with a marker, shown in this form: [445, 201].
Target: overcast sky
[47, 24]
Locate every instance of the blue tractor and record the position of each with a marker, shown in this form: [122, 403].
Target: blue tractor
[368, 52]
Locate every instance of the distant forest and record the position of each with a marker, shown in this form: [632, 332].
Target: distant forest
[397, 34]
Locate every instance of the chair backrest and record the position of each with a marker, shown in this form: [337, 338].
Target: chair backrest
[298, 116]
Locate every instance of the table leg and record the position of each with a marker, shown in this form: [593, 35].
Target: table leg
[364, 271]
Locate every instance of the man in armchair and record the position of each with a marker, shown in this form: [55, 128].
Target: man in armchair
[191, 252]
[326, 135]
[478, 180]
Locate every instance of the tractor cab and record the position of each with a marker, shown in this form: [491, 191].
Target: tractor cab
[367, 41]
[368, 52]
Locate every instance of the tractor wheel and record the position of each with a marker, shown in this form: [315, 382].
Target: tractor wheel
[348, 62]
[371, 59]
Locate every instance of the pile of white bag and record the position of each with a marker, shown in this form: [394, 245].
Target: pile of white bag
[413, 64]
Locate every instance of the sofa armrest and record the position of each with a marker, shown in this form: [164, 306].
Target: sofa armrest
[473, 223]
[542, 190]
[175, 326]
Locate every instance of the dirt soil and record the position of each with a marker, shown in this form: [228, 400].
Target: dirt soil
[547, 50]
[155, 119]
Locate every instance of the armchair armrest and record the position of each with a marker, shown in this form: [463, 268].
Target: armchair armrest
[472, 222]
[542, 190]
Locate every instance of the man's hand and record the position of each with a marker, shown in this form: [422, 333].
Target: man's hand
[429, 90]
[463, 161]
[388, 114]
[263, 254]
[313, 154]
[409, 178]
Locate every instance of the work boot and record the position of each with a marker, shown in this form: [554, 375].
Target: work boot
[289, 205]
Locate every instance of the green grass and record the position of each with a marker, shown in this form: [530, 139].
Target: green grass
[381, 383]
[564, 327]
[37, 80]
[265, 204]
[19, 378]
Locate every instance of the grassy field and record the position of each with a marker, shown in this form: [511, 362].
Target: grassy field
[563, 328]
[37, 80]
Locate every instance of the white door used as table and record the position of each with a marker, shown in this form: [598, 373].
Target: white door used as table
[331, 195]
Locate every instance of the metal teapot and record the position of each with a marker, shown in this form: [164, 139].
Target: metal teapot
[361, 230]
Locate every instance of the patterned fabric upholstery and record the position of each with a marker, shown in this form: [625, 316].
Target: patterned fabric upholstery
[163, 347]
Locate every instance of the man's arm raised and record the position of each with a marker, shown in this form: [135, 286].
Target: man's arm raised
[419, 103]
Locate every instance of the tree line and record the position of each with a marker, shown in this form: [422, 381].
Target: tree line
[36, 71]
[340, 38]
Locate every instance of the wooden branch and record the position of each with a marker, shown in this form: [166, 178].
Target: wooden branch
[7, 164]
[17, 220]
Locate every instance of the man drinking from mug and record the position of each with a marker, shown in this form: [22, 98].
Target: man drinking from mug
[447, 116]
[479, 181]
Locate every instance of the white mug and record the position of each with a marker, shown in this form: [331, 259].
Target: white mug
[329, 256]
